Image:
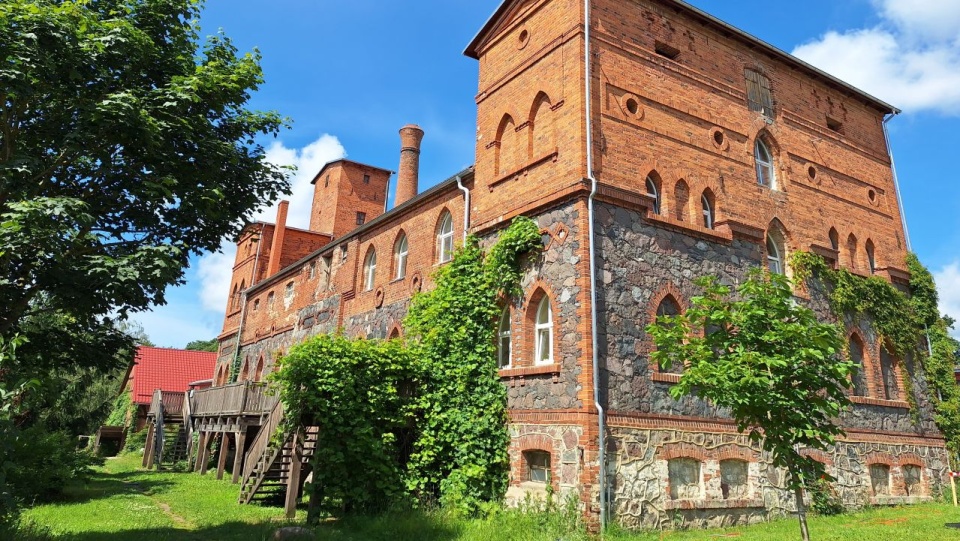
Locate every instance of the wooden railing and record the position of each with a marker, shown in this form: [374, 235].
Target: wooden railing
[173, 403]
[247, 398]
[261, 445]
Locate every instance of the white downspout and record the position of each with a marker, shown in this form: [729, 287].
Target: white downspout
[602, 478]
[466, 206]
[896, 180]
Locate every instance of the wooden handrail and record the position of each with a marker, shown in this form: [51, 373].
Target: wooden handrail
[261, 445]
[246, 398]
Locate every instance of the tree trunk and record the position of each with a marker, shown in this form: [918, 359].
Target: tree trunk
[801, 509]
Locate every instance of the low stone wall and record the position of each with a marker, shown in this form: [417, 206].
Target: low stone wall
[647, 492]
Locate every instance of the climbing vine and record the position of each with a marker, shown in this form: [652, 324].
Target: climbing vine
[904, 321]
[422, 421]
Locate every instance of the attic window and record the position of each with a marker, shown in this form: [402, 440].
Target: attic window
[326, 181]
[667, 51]
[835, 125]
[759, 96]
[361, 218]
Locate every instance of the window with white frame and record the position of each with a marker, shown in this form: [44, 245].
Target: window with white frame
[400, 253]
[654, 192]
[504, 350]
[369, 269]
[544, 333]
[774, 254]
[538, 466]
[445, 239]
[766, 175]
[707, 211]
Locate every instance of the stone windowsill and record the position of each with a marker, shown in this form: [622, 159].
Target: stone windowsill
[713, 504]
[664, 377]
[547, 369]
[880, 402]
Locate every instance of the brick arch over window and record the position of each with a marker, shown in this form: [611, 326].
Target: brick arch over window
[818, 455]
[542, 138]
[528, 346]
[881, 458]
[535, 442]
[443, 240]
[765, 154]
[396, 332]
[871, 252]
[684, 450]
[834, 238]
[400, 256]
[223, 372]
[851, 252]
[735, 452]
[258, 372]
[708, 208]
[245, 370]
[777, 237]
[506, 146]
[653, 186]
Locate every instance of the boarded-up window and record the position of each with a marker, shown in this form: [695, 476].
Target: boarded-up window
[888, 364]
[880, 479]
[684, 478]
[759, 97]
[911, 479]
[733, 479]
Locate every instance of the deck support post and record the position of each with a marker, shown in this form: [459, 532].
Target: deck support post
[293, 478]
[205, 456]
[148, 449]
[241, 439]
[201, 444]
[222, 460]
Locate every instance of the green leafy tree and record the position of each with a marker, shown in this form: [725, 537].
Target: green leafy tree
[123, 150]
[211, 345]
[767, 360]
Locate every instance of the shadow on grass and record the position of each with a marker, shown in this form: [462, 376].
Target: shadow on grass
[418, 528]
[106, 485]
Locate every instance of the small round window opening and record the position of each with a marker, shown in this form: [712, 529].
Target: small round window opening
[812, 172]
[632, 106]
[872, 194]
[523, 39]
[718, 138]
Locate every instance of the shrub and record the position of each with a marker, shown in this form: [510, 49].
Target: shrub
[43, 463]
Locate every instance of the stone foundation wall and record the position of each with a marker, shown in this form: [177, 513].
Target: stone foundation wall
[565, 445]
[641, 496]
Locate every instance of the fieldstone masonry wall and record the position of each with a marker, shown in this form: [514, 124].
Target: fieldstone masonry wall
[640, 482]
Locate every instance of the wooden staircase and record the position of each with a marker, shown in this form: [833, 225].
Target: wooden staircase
[175, 443]
[275, 466]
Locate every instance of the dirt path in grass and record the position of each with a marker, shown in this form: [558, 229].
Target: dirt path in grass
[179, 521]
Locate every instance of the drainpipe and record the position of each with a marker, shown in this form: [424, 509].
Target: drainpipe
[466, 206]
[896, 181]
[243, 310]
[602, 478]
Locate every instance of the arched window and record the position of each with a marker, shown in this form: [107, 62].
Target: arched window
[445, 238]
[888, 371]
[766, 175]
[707, 205]
[852, 251]
[860, 374]
[400, 253]
[681, 196]
[245, 372]
[258, 373]
[235, 298]
[369, 269]
[653, 190]
[544, 333]
[774, 254]
[504, 351]
[871, 256]
[834, 239]
[670, 307]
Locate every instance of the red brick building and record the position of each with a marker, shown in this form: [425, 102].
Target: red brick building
[169, 370]
[653, 144]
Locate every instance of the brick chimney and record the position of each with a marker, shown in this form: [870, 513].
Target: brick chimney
[279, 232]
[409, 173]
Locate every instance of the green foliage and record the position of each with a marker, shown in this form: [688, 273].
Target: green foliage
[426, 418]
[122, 409]
[460, 454]
[44, 463]
[824, 500]
[354, 390]
[768, 360]
[123, 151]
[904, 321]
[211, 345]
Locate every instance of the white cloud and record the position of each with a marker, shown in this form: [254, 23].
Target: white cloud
[308, 160]
[911, 59]
[195, 309]
[215, 270]
[948, 285]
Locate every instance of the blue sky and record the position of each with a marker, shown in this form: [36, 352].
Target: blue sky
[350, 74]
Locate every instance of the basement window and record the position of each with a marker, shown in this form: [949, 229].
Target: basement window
[880, 479]
[835, 125]
[538, 466]
[685, 478]
[911, 480]
[667, 51]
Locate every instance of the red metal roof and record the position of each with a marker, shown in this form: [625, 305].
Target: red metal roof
[168, 370]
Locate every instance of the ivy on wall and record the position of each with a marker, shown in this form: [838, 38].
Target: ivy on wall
[419, 421]
[910, 323]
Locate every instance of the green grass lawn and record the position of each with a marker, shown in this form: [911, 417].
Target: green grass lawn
[125, 503]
